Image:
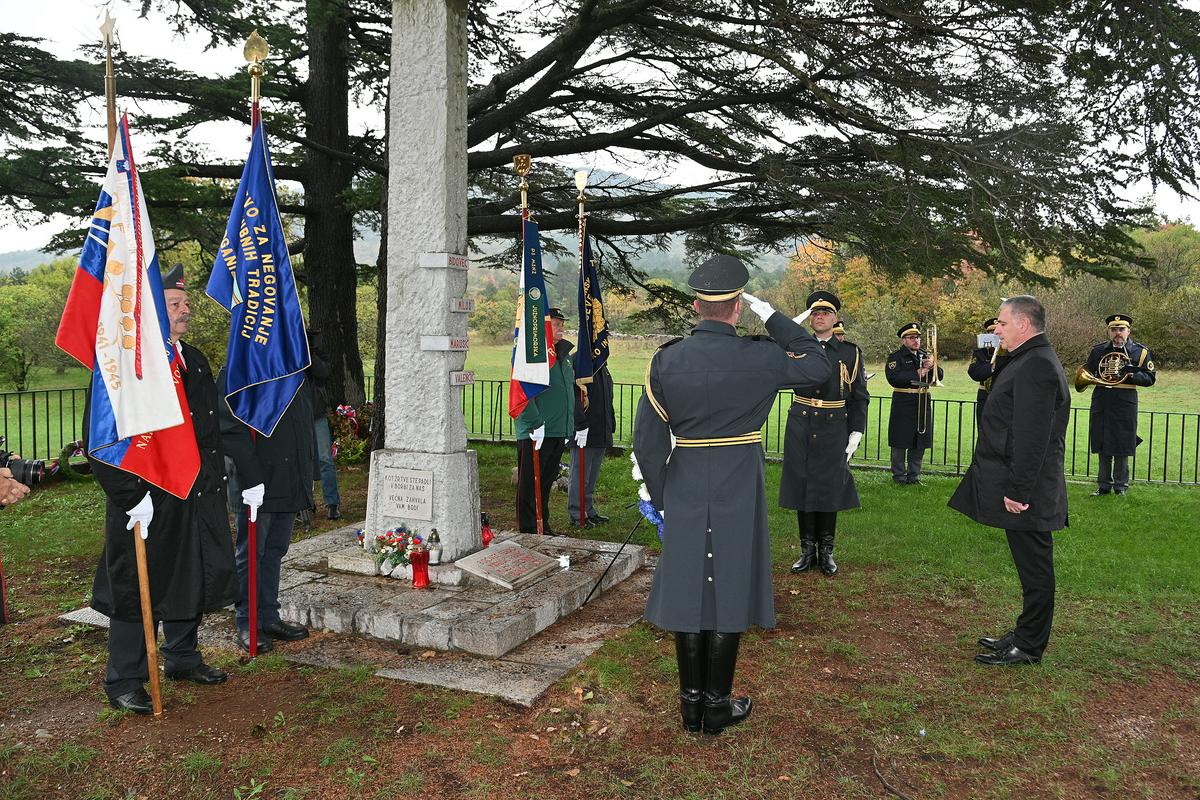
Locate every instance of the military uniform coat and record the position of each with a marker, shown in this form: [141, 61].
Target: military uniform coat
[910, 425]
[816, 474]
[1019, 453]
[189, 551]
[980, 369]
[715, 568]
[1114, 415]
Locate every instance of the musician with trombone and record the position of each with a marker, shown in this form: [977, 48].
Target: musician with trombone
[911, 371]
[985, 361]
[1116, 368]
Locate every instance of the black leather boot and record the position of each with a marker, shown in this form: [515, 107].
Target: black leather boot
[828, 531]
[720, 710]
[808, 541]
[691, 654]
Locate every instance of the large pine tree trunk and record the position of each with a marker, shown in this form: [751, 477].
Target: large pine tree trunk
[328, 220]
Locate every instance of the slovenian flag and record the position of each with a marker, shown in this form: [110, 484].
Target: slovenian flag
[533, 350]
[115, 323]
[593, 329]
[252, 278]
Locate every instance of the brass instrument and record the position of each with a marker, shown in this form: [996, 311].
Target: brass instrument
[996, 353]
[932, 378]
[1112, 371]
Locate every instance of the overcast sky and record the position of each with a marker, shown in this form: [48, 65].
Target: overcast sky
[68, 24]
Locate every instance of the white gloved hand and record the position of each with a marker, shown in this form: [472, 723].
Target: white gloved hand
[804, 315]
[762, 308]
[143, 512]
[852, 444]
[538, 434]
[253, 497]
[581, 438]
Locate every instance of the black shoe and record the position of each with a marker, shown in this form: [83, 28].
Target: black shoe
[287, 631]
[997, 645]
[1012, 657]
[264, 641]
[1122, 492]
[599, 519]
[333, 512]
[136, 701]
[201, 673]
[1101, 492]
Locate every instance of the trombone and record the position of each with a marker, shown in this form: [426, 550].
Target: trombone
[932, 378]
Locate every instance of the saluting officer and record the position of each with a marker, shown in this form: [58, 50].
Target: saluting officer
[824, 428]
[698, 443]
[1114, 415]
[910, 425]
[983, 369]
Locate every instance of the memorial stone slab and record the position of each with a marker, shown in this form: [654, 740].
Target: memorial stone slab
[508, 564]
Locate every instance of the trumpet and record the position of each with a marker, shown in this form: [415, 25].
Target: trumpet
[1112, 372]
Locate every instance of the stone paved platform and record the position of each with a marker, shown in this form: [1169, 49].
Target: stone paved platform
[470, 614]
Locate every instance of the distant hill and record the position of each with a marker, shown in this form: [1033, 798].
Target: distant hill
[24, 259]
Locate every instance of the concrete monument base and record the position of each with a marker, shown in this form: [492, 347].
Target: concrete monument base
[426, 491]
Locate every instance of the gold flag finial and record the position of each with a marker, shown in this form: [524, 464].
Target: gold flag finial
[110, 80]
[522, 163]
[255, 52]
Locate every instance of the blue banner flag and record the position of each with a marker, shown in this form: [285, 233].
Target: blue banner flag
[593, 330]
[252, 278]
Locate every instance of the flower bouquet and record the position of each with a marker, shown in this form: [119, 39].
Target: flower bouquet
[395, 547]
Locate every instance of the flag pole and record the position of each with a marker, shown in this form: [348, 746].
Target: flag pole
[110, 80]
[255, 51]
[522, 163]
[149, 627]
[580, 184]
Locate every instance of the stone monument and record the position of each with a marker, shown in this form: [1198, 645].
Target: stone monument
[425, 476]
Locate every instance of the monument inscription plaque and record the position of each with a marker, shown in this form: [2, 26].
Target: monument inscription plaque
[408, 492]
[507, 564]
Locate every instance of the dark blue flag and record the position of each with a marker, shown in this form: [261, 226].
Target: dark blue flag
[593, 330]
[252, 278]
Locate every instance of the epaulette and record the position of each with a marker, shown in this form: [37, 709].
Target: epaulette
[669, 342]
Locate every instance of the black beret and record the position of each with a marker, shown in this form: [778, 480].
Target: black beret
[555, 312]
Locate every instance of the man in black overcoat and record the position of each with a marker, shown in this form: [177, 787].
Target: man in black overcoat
[189, 550]
[595, 423]
[824, 427]
[910, 425]
[698, 441]
[1113, 420]
[1016, 479]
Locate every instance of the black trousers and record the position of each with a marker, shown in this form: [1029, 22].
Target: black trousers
[1033, 554]
[127, 666]
[1114, 472]
[548, 458]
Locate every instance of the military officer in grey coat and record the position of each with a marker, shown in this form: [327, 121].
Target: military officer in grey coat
[1114, 416]
[824, 428]
[698, 442]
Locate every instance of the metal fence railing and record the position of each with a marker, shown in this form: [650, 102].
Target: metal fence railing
[37, 424]
[1170, 451]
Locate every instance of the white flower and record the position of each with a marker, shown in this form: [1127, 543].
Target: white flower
[637, 471]
[644, 493]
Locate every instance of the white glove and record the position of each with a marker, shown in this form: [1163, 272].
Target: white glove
[143, 512]
[581, 438]
[537, 434]
[762, 308]
[253, 497]
[805, 314]
[852, 444]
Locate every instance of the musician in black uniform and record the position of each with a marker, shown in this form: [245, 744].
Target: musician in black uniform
[698, 443]
[839, 330]
[824, 428]
[1114, 415]
[910, 426]
[983, 369]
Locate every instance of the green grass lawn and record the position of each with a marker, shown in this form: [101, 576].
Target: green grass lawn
[874, 661]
